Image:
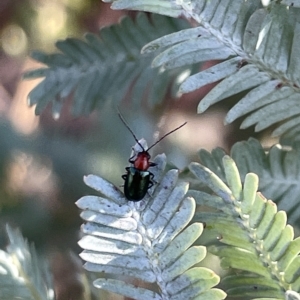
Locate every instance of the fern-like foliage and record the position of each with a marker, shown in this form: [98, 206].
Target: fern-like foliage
[278, 170]
[22, 274]
[259, 52]
[253, 238]
[105, 67]
[146, 240]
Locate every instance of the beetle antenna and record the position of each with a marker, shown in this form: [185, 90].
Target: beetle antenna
[127, 126]
[166, 135]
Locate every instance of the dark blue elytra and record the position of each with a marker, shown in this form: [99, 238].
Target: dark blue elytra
[137, 183]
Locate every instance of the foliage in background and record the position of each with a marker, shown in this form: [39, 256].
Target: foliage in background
[23, 275]
[105, 67]
[253, 236]
[257, 49]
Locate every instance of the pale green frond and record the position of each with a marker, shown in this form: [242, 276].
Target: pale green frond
[23, 275]
[262, 246]
[242, 285]
[259, 52]
[105, 66]
[149, 240]
[278, 170]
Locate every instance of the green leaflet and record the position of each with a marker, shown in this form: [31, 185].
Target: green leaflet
[278, 165]
[243, 79]
[269, 250]
[210, 75]
[125, 289]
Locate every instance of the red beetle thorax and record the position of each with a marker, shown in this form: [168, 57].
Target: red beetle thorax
[142, 161]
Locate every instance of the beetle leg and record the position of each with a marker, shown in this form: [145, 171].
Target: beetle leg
[152, 164]
[131, 159]
[124, 176]
[151, 182]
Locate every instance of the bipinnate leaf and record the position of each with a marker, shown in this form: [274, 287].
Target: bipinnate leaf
[277, 164]
[149, 240]
[105, 66]
[253, 237]
[256, 50]
[23, 275]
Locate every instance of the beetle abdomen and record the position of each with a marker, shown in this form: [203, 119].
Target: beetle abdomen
[136, 183]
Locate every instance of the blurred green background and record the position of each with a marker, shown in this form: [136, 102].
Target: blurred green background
[43, 161]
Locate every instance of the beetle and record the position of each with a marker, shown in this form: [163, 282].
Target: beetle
[138, 178]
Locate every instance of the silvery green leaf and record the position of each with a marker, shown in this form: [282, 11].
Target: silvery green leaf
[277, 164]
[210, 75]
[247, 77]
[23, 275]
[105, 66]
[164, 7]
[253, 236]
[259, 49]
[126, 289]
[147, 240]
